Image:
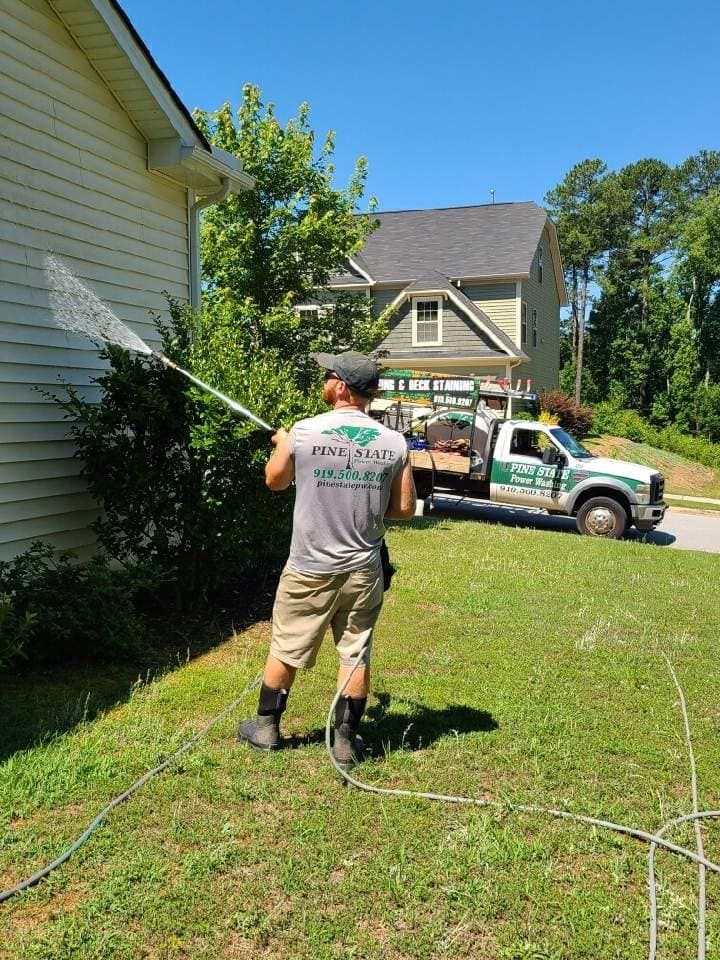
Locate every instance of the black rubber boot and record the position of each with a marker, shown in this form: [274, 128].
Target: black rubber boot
[347, 745]
[263, 732]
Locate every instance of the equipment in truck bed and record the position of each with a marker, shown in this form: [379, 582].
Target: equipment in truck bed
[451, 421]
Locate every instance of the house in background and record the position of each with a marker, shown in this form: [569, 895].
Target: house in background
[102, 164]
[475, 290]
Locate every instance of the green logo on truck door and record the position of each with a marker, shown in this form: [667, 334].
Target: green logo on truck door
[538, 479]
[544, 480]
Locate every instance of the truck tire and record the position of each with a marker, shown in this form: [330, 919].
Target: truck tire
[602, 517]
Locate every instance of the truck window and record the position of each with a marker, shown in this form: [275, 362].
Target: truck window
[574, 448]
[528, 443]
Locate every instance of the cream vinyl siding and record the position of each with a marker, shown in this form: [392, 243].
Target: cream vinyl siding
[544, 365]
[497, 300]
[73, 180]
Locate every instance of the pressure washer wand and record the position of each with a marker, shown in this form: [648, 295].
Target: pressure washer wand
[236, 407]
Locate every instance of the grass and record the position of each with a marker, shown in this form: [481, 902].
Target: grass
[516, 664]
[681, 475]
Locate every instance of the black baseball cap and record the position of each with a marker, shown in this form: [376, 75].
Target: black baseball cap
[359, 372]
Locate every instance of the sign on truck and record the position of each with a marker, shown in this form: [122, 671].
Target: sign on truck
[461, 441]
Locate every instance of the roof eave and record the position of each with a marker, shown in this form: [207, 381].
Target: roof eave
[197, 168]
[477, 358]
[557, 263]
[150, 100]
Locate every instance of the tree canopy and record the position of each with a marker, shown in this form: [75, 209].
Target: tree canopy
[641, 253]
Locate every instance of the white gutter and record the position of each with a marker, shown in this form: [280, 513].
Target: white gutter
[194, 237]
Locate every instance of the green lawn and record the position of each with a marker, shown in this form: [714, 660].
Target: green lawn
[515, 664]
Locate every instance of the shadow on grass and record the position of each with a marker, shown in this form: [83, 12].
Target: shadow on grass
[409, 729]
[448, 508]
[39, 702]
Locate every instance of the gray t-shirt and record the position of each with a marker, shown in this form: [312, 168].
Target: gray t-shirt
[345, 463]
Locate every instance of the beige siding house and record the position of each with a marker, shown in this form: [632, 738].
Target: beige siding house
[474, 289]
[101, 164]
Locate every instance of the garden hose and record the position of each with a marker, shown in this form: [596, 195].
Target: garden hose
[41, 874]
[516, 808]
[655, 840]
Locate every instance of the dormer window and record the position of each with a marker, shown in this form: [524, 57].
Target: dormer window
[540, 265]
[307, 311]
[427, 321]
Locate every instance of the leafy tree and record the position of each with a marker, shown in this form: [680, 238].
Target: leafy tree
[279, 243]
[651, 341]
[180, 479]
[583, 208]
[696, 177]
[708, 410]
[698, 247]
[647, 207]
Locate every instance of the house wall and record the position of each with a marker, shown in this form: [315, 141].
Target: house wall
[383, 298]
[544, 365]
[459, 334]
[497, 300]
[73, 180]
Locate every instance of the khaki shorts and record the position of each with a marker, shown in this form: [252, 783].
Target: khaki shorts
[307, 604]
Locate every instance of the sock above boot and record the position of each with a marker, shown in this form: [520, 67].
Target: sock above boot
[272, 700]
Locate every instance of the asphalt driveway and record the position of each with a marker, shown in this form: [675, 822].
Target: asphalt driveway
[682, 529]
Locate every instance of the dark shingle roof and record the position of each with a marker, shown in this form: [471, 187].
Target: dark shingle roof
[492, 240]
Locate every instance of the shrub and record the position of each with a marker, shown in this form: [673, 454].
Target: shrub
[707, 405]
[549, 419]
[14, 630]
[53, 608]
[621, 423]
[180, 477]
[571, 417]
[629, 424]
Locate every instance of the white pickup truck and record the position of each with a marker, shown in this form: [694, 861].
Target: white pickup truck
[473, 450]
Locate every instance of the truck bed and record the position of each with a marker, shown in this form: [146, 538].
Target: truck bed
[446, 462]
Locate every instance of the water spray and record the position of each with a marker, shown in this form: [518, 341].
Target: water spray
[78, 310]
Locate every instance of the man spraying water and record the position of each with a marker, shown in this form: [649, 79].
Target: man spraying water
[351, 473]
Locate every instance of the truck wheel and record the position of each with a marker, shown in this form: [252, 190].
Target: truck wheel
[602, 517]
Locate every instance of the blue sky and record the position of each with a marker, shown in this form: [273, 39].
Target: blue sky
[449, 100]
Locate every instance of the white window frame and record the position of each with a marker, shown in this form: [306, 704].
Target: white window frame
[427, 343]
[302, 308]
[534, 327]
[523, 324]
[541, 258]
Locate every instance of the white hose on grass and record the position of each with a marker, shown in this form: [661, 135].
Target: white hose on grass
[654, 839]
[122, 797]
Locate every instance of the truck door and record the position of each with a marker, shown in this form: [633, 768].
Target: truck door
[519, 475]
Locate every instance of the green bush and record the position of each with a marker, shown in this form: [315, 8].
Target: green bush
[621, 423]
[15, 629]
[707, 406]
[629, 424]
[53, 608]
[180, 477]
